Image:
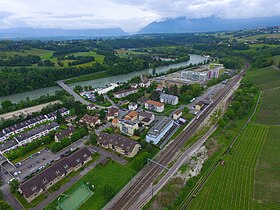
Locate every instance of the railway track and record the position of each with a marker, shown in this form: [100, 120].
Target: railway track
[150, 172]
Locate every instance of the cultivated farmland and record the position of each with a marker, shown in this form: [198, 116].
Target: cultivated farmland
[231, 185]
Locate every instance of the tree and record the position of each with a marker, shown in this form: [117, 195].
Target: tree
[14, 185]
[4, 205]
[93, 138]
[155, 95]
[59, 118]
[78, 88]
[6, 104]
[154, 71]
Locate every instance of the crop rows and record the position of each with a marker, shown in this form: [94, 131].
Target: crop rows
[231, 185]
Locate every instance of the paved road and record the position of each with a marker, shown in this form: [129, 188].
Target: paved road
[9, 198]
[72, 92]
[111, 155]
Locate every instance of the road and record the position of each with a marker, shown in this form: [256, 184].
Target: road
[26, 111]
[72, 92]
[146, 177]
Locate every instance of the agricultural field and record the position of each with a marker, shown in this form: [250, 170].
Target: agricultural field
[98, 58]
[255, 37]
[267, 182]
[231, 186]
[269, 112]
[125, 53]
[107, 181]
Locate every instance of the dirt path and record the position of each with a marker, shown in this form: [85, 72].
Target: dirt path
[26, 111]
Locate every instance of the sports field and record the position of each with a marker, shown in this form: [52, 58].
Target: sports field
[75, 199]
[231, 186]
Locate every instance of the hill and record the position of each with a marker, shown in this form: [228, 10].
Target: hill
[185, 25]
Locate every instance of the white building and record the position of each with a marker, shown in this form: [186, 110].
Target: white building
[107, 89]
[154, 106]
[169, 99]
[132, 106]
[158, 131]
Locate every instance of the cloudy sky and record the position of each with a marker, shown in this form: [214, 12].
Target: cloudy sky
[130, 15]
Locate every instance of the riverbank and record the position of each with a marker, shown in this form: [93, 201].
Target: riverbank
[87, 77]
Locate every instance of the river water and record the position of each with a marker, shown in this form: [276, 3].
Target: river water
[194, 59]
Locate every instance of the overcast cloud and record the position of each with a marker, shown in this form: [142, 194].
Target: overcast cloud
[130, 15]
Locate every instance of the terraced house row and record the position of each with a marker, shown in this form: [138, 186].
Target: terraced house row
[20, 127]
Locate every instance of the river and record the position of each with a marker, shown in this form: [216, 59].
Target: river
[194, 59]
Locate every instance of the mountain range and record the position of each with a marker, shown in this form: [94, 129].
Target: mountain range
[185, 25]
[169, 25]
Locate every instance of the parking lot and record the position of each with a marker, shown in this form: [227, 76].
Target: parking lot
[36, 162]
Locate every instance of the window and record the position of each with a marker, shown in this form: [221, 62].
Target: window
[34, 188]
[65, 166]
[77, 160]
[85, 155]
[57, 171]
[44, 180]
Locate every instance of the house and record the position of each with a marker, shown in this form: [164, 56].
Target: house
[105, 90]
[132, 106]
[199, 105]
[134, 85]
[169, 99]
[91, 107]
[41, 182]
[2, 136]
[158, 131]
[64, 134]
[119, 143]
[145, 82]
[112, 113]
[115, 122]
[146, 118]
[128, 127]
[154, 106]
[177, 114]
[71, 118]
[159, 88]
[131, 116]
[124, 93]
[36, 133]
[8, 145]
[142, 100]
[90, 121]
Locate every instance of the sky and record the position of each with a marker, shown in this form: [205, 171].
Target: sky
[130, 15]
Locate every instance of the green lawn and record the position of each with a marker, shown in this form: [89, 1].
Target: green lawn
[255, 37]
[125, 53]
[276, 60]
[98, 58]
[231, 185]
[112, 174]
[267, 177]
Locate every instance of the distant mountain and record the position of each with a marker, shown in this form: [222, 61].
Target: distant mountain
[59, 33]
[184, 25]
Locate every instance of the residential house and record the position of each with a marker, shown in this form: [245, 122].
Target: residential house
[131, 116]
[142, 100]
[154, 106]
[36, 133]
[91, 107]
[115, 122]
[41, 182]
[177, 114]
[124, 93]
[90, 121]
[159, 88]
[128, 127]
[8, 145]
[146, 117]
[158, 131]
[133, 85]
[64, 134]
[145, 82]
[71, 118]
[169, 99]
[199, 105]
[132, 106]
[119, 143]
[112, 113]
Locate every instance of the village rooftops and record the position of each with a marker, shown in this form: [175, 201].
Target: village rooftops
[41, 180]
[117, 140]
[112, 111]
[65, 133]
[160, 126]
[168, 96]
[146, 114]
[36, 131]
[88, 119]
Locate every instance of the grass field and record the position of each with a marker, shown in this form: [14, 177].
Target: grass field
[98, 58]
[231, 186]
[125, 53]
[276, 60]
[267, 177]
[270, 112]
[265, 78]
[112, 174]
[255, 37]
[87, 77]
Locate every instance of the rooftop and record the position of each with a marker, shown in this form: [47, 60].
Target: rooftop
[7, 145]
[155, 103]
[168, 97]
[159, 126]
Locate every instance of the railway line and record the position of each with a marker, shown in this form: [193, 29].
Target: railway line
[149, 173]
